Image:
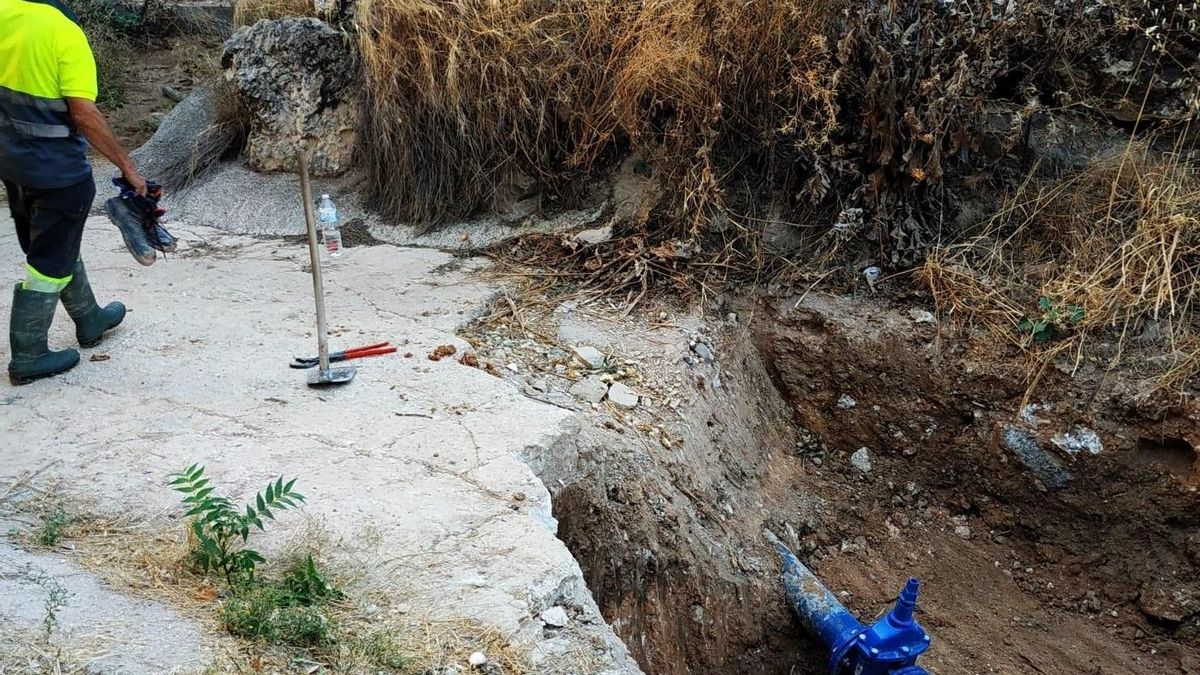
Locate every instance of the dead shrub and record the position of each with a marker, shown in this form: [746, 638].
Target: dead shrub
[465, 99]
[250, 12]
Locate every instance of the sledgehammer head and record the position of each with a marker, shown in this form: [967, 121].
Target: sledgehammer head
[330, 377]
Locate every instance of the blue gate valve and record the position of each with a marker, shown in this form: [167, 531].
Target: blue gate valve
[890, 646]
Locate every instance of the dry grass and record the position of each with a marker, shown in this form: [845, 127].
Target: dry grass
[467, 98]
[250, 12]
[225, 135]
[1118, 244]
[150, 560]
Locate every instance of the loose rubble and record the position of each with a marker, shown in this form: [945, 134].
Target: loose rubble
[591, 357]
[622, 396]
[555, 617]
[589, 390]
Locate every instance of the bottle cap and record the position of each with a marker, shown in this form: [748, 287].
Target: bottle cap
[324, 196]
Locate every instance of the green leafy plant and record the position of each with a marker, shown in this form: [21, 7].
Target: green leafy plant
[57, 596]
[221, 529]
[1053, 319]
[307, 585]
[288, 611]
[270, 613]
[112, 29]
[51, 530]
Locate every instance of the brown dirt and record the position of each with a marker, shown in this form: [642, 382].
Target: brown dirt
[1100, 576]
[182, 62]
[442, 351]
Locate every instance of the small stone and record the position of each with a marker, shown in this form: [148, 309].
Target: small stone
[1044, 465]
[705, 352]
[589, 390]
[921, 316]
[590, 356]
[1080, 439]
[622, 396]
[478, 660]
[514, 367]
[539, 385]
[962, 531]
[861, 459]
[872, 274]
[846, 402]
[555, 617]
[595, 236]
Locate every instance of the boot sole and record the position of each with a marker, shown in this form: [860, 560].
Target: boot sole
[29, 379]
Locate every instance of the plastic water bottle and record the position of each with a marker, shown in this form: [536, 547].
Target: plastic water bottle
[327, 215]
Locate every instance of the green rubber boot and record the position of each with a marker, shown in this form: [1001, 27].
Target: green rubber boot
[91, 320]
[32, 314]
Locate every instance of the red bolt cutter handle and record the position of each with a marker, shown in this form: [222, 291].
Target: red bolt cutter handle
[377, 349]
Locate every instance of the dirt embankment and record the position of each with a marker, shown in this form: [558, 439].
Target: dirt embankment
[1090, 568]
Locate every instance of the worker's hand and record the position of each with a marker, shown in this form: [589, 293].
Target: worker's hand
[135, 180]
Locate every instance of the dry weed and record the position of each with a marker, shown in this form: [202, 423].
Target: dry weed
[250, 12]
[1115, 247]
[468, 100]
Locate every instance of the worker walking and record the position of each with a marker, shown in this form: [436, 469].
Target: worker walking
[47, 108]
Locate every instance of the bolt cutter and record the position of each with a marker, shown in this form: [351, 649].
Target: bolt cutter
[377, 349]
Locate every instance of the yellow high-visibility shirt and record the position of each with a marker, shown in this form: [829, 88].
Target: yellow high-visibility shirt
[44, 58]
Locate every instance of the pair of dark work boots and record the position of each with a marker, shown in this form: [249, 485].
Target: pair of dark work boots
[32, 314]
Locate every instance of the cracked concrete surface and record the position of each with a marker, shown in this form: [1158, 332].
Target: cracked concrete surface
[94, 624]
[419, 458]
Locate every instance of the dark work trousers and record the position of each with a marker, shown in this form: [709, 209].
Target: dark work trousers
[50, 224]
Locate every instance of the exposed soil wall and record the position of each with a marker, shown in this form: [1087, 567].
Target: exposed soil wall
[668, 538]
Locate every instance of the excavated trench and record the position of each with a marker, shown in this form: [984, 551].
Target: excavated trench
[1037, 556]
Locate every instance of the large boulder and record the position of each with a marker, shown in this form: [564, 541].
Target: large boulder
[297, 77]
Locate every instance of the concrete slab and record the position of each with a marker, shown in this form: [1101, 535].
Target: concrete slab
[415, 460]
